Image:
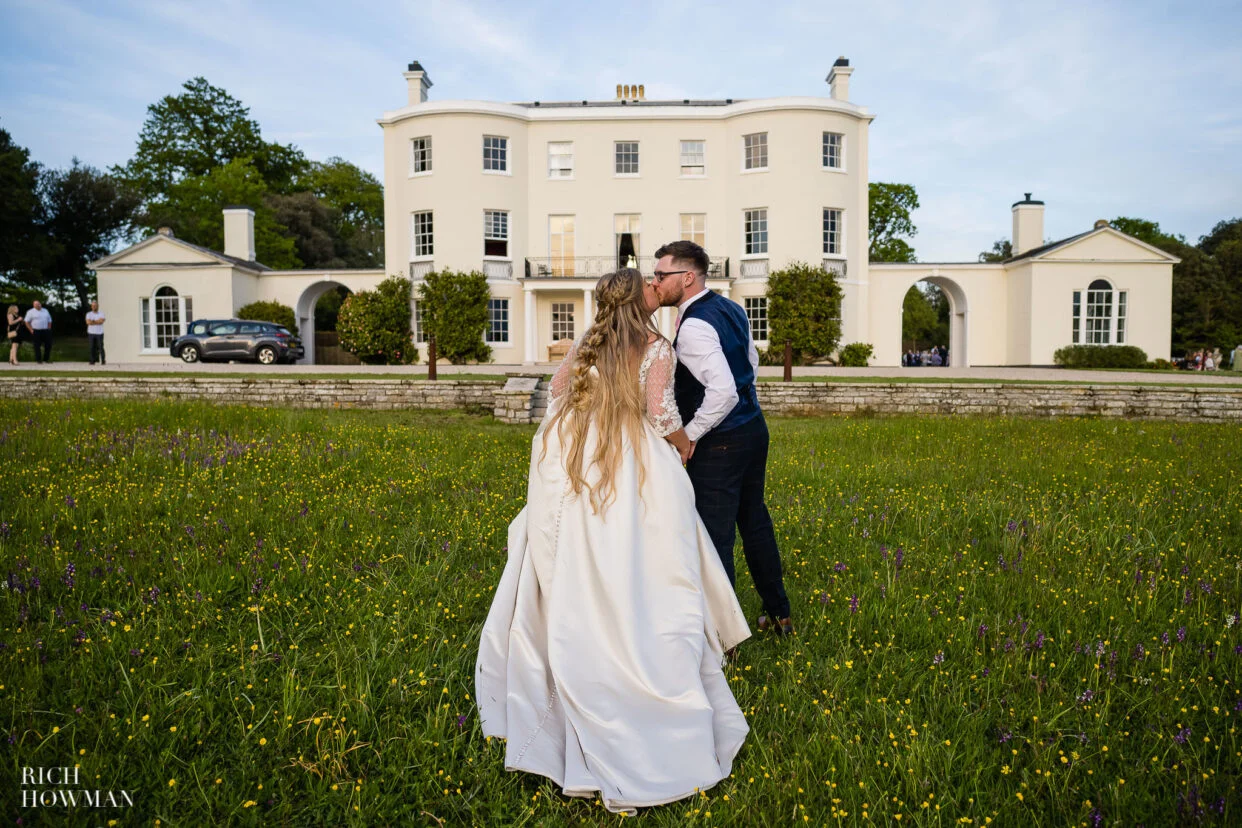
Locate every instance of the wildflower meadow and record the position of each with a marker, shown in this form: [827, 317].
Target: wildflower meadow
[261, 616]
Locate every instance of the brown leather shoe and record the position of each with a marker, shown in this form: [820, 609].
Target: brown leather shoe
[782, 626]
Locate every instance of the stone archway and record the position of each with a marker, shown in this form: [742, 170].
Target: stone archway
[305, 311]
[958, 318]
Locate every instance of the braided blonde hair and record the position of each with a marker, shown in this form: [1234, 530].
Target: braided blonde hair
[604, 390]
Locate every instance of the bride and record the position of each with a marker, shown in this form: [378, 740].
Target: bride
[600, 660]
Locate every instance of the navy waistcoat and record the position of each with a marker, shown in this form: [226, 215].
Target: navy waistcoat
[733, 328]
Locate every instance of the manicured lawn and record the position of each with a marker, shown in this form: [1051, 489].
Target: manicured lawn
[270, 617]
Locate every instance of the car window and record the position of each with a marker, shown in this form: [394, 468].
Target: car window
[198, 328]
[224, 329]
[251, 328]
[281, 329]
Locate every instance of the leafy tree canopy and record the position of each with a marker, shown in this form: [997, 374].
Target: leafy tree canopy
[889, 222]
[454, 306]
[193, 208]
[1001, 250]
[204, 128]
[804, 307]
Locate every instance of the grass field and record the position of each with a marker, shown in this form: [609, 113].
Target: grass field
[264, 616]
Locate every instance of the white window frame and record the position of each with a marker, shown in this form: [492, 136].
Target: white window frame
[562, 315]
[755, 149]
[839, 232]
[1090, 326]
[747, 252]
[149, 323]
[617, 162]
[497, 153]
[700, 231]
[422, 238]
[497, 317]
[756, 308]
[414, 156]
[562, 258]
[634, 223]
[560, 171]
[692, 158]
[420, 334]
[496, 228]
[840, 166]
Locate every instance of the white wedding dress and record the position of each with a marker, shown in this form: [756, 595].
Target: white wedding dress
[600, 660]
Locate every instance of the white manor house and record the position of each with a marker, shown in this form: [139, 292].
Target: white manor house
[547, 196]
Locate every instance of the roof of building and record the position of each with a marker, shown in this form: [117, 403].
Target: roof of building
[627, 103]
[216, 254]
[1036, 251]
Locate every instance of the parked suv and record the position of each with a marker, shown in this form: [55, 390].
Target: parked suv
[242, 339]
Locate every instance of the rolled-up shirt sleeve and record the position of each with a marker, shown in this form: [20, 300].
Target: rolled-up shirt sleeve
[699, 349]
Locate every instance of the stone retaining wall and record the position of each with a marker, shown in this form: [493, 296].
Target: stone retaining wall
[522, 398]
[1154, 402]
[291, 393]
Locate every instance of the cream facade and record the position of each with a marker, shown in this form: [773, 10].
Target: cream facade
[545, 197]
[151, 291]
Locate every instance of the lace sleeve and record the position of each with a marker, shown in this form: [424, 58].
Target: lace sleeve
[563, 377]
[661, 363]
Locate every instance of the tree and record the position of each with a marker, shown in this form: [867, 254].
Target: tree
[1001, 250]
[277, 313]
[374, 325]
[21, 210]
[191, 134]
[920, 323]
[312, 225]
[454, 306]
[804, 307]
[889, 222]
[358, 198]
[1207, 282]
[86, 212]
[193, 209]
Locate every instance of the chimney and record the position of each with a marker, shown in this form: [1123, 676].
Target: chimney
[1028, 225]
[419, 83]
[239, 233]
[839, 79]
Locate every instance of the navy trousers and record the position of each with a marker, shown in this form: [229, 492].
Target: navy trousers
[728, 471]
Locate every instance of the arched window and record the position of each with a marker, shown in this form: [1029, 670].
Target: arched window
[165, 316]
[1105, 320]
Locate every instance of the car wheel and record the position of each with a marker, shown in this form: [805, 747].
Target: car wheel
[190, 353]
[266, 355]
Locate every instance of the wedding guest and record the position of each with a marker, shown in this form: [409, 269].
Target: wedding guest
[95, 333]
[39, 323]
[14, 329]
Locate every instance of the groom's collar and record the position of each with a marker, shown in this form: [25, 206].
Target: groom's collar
[681, 309]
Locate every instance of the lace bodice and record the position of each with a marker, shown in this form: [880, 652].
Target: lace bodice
[655, 379]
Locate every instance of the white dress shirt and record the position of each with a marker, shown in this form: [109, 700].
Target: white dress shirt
[699, 349]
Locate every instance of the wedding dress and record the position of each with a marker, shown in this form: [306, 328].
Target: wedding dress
[600, 660]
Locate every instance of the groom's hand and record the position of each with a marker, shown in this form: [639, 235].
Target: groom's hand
[686, 453]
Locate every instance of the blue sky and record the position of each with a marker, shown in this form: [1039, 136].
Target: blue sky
[1099, 109]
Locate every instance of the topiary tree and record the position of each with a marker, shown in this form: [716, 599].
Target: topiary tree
[454, 306]
[274, 312]
[804, 307]
[374, 325]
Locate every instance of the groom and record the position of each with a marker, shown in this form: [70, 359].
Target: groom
[715, 391]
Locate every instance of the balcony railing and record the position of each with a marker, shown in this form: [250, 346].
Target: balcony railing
[498, 270]
[419, 270]
[593, 267]
[754, 268]
[836, 266]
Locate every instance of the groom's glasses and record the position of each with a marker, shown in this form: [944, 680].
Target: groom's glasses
[661, 275]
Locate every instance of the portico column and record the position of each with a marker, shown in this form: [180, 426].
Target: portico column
[529, 323]
[588, 305]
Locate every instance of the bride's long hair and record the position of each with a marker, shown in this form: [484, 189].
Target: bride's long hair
[604, 390]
